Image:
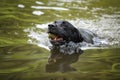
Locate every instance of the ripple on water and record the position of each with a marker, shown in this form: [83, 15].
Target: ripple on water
[38, 13]
[52, 8]
[21, 6]
[38, 2]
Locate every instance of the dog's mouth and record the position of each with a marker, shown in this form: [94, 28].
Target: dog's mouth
[55, 37]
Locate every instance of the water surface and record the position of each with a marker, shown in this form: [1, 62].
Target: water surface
[24, 43]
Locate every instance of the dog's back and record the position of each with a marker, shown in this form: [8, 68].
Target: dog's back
[87, 35]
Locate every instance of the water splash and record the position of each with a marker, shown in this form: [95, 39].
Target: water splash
[71, 47]
[38, 38]
[106, 28]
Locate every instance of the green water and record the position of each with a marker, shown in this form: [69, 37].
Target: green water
[20, 60]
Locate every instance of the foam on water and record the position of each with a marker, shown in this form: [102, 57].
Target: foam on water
[38, 38]
[106, 28]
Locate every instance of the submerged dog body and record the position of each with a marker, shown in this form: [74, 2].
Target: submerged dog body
[61, 32]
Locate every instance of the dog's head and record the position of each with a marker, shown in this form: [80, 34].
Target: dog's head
[61, 32]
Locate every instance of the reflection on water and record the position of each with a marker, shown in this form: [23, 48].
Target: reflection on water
[28, 62]
[38, 2]
[59, 61]
[21, 58]
[53, 8]
[37, 13]
[21, 6]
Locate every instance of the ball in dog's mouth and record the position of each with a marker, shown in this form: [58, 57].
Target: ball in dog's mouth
[54, 37]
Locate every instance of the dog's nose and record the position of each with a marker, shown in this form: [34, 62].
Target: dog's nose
[51, 25]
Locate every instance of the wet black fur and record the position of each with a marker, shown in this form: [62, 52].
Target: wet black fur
[70, 33]
[66, 30]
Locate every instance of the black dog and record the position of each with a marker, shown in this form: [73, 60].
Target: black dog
[61, 32]
[65, 50]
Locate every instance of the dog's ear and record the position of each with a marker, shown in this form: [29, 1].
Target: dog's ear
[76, 36]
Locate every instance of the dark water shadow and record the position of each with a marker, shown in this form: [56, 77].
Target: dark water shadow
[61, 62]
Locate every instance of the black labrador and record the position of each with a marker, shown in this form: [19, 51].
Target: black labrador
[61, 32]
[64, 37]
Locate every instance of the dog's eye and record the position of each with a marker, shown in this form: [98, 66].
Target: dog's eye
[63, 22]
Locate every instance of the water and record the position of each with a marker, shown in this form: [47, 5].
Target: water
[24, 43]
